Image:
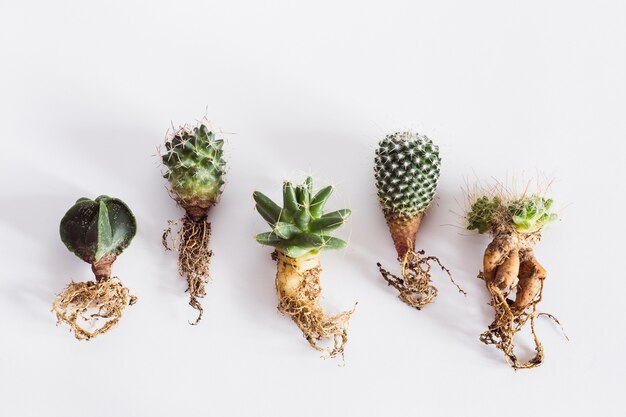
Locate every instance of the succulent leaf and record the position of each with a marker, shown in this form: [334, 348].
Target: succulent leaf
[318, 202]
[92, 229]
[295, 230]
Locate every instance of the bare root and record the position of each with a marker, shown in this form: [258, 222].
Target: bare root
[106, 298]
[299, 291]
[415, 285]
[506, 259]
[194, 257]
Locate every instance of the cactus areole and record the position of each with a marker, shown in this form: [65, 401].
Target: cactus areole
[194, 168]
[97, 231]
[510, 265]
[406, 171]
[299, 231]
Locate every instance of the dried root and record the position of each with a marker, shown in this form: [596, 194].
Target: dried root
[510, 265]
[415, 285]
[299, 290]
[194, 257]
[105, 298]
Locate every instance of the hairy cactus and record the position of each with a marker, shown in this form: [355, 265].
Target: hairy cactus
[299, 231]
[510, 267]
[195, 169]
[526, 214]
[97, 231]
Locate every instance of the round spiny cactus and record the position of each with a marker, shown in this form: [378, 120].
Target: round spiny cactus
[406, 170]
[195, 168]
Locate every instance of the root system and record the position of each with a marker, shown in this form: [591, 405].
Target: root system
[299, 290]
[510, 267]
[106, 298]
[194, 256]
[415, 285]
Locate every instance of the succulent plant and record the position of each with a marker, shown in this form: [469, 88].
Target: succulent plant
[531, 213]
[300, 230]
[513, 275]
[483, 213]
[96, 231]
[526, 214]
[406, 170]
[195, 168]
[300, 227]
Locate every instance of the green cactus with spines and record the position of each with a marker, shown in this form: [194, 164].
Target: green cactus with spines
[195, 164]
[531, 213]
[483, 213]
[93, 229]
[407, 168]
[300, 227]
[526, 214]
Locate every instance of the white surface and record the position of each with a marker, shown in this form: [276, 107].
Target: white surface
[505, 88]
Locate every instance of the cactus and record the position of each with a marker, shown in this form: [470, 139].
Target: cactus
[195, 169]
[97, 231]
[510, 266]
[406, 170]
[299, 231]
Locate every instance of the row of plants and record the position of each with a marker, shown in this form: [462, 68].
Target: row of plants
[407, 166]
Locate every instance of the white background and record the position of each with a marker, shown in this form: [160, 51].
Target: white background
[506, 88]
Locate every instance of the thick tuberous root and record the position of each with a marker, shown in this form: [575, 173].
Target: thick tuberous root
[415, 285]
[299, 290]
[194, 257]
[511, 266]
[84, 302]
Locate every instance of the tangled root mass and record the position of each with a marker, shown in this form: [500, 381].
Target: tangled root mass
[194, 256]
[415, 285]
[299, 291]
[84, 302]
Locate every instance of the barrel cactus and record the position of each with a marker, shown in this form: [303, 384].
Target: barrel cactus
[97, 231]
[195, 168]
[299, 231]
[406, 171]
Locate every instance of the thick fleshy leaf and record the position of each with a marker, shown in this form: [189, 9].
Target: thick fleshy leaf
[286, 230]
[268, 238]
[318, 202]
[295, 251]
[329, 222]
[269, 210]
[302, 196]
[334, 243]
[290, 204]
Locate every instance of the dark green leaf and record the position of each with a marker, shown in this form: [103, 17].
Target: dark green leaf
[286, 230]
[318, 202]
[269, 210]
[290, 203]
[329, 221]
